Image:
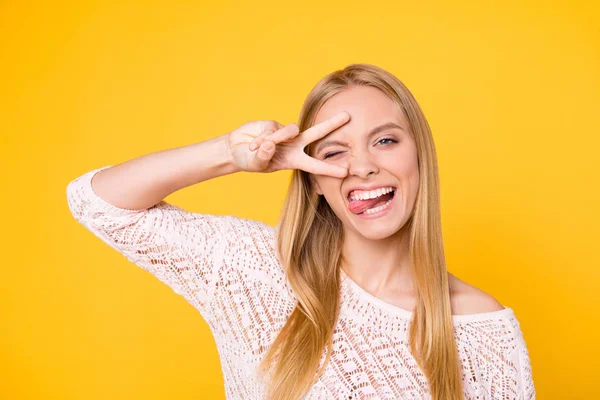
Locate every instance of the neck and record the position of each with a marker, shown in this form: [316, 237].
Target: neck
[379, 265]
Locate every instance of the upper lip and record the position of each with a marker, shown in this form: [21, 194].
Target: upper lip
[366, 187]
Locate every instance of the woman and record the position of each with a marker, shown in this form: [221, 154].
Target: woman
[348, 297]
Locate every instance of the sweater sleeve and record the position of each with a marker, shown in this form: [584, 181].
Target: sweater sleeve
[192, 253]
[524, 363]
[494, 357]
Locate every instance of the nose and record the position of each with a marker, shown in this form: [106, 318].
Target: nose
[361, 164]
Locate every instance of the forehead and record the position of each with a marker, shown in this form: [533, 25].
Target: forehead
[367, 106]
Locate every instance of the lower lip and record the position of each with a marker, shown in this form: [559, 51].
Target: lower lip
[379, 213]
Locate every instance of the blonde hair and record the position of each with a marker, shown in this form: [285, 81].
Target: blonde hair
[309, 241]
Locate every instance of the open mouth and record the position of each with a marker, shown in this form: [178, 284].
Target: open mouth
[371, 205]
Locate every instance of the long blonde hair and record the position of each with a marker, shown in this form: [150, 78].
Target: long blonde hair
[309, 241]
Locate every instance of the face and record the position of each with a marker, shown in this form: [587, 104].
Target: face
[377, 148]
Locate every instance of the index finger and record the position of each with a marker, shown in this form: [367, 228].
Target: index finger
[323, 128]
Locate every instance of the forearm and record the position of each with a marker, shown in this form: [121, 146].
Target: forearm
[144, 181]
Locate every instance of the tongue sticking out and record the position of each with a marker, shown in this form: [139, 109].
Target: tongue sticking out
[358, 206]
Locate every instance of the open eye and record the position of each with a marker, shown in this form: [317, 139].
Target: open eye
[390, 139]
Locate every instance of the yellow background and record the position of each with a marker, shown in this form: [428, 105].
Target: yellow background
[511, 90]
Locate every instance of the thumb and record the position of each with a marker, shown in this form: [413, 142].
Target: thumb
[264, 154]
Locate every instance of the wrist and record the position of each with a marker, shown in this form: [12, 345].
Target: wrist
[229, 166]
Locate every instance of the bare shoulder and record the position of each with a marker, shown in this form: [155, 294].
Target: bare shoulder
[467, 299]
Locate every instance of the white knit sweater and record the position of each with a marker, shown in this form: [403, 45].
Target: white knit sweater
[226, 267]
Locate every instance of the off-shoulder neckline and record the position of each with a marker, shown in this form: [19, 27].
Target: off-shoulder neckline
[506, 311]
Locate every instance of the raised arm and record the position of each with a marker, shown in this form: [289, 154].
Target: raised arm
[144, 181]
[198, 255]
[123, 205]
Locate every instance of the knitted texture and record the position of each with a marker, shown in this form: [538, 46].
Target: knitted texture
[227, 268]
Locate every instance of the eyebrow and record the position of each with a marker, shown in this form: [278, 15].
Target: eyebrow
[374, 131]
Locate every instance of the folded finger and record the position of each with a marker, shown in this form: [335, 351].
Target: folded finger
[257, 141]
[266, 150]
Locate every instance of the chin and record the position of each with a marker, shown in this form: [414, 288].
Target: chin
[373, 229]
[377, 232]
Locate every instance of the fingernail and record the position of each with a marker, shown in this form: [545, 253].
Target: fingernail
[252, 145]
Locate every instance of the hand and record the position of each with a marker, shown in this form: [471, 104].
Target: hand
[268, 146]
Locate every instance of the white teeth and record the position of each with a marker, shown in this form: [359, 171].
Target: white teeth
[371, 194]
[379, 208]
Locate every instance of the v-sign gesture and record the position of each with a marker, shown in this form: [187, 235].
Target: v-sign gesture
[268, 146]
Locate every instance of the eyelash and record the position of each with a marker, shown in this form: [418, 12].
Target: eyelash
[337, 152]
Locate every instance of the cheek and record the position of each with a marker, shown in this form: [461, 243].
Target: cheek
[404, 163]
[327, 185]
[409, 169]
[406, 169]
